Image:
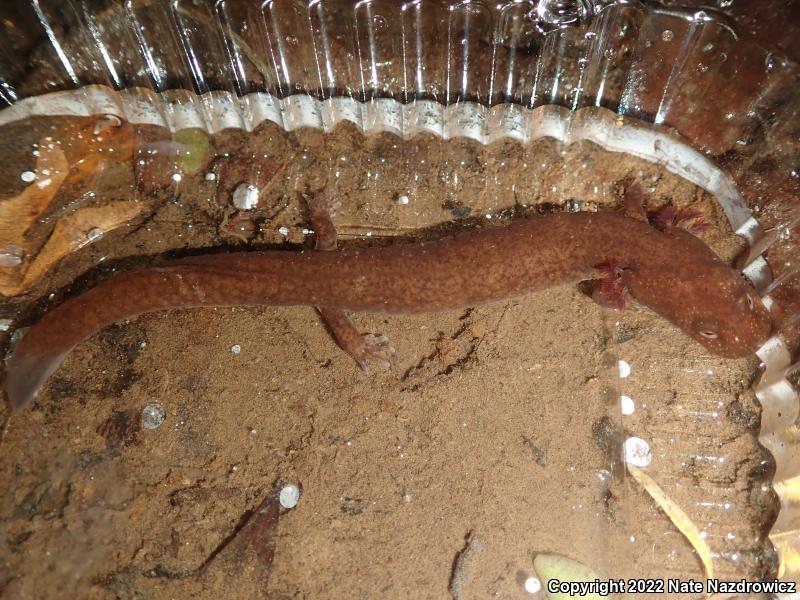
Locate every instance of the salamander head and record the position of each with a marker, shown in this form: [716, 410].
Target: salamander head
[713, 304]
[737, 326]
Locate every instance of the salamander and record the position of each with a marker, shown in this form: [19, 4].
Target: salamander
[670, 271]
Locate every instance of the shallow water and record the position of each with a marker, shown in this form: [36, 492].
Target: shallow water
[500, 423]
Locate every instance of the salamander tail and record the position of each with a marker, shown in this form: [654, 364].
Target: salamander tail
[27, 370]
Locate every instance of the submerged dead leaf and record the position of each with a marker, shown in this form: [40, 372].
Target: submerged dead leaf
[84, 158]
[70, 234]
[17, 214]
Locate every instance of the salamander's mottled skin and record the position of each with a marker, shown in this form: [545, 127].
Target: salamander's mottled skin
[672, 272]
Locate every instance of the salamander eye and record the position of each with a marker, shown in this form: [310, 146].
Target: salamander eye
[709, 335]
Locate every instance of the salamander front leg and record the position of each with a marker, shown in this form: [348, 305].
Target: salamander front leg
[366, 347]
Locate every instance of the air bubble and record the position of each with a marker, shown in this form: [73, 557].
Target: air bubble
[11, 256]
[557, 13]
[533, 585]
[27, 176]
[626, 405]
[667, 35]
[94, 234]
[624, 369]
[153, 416]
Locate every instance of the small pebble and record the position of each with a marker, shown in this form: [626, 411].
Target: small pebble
[402, 199]
[211, 176]
[637, 452]
[236, 348]
[289, 495]
[283, 230]
[153, 416]
[5, 324]
[245, 197]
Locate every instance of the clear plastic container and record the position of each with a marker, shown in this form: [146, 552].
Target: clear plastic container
[515, 106]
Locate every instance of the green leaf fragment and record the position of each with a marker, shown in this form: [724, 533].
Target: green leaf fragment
[555, 566]
[195, 149]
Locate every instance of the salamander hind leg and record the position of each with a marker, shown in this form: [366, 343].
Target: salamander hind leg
[321, 210]
[633, 201]
[365, 348]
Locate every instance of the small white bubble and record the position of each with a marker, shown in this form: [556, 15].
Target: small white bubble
[283, 230]
[176, 177]
[94, 234]
[626, 405]
[402, 199]
[289, 495]
[211, 176]
[624, 369]
[9, 259]
[533, 585]
[27, 176]
[667, 35]
[236, 348]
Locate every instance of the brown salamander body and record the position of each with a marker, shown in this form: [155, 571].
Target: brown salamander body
[671, 272]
